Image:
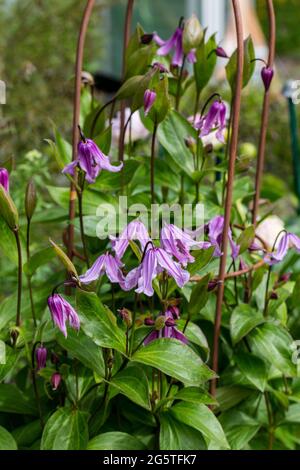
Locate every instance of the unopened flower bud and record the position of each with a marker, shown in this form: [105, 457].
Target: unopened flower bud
[4, 178]
[8, 209]
[41, 357]
[146, 38]
[87, 78]
[160, 67]
[212, 285]
[274, 296]
[220, 52]
[191, 144]
[55, 380]
[192, 34]
[126, 316]
[267, 74]
[242, 265]
[149, 322]
[30, 199]
[285, 277]
[160, 322]
[149, 98]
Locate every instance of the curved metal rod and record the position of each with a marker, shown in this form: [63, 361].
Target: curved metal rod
[76, 112]
[264, 115]
[231, 173]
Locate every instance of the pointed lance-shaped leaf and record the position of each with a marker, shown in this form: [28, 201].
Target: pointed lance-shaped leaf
[8, 209]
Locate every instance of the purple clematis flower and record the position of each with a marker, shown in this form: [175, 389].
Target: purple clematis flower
[179, 243]
[155, 261]
[214, 230]
[289, 240]
[4, 178]
[105, 264]
[55, 380]
[91, 160]
[175, 43]
[169, 330]
[149, 98]
[41, 357]
[61, 312]
[214, 119]
[135, 230]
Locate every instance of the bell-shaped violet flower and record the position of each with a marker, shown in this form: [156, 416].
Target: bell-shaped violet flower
[289, 240]
[91, 160]
[4, 178]
[41, 357]
[155, 260]
[169, 330]
[105, 264]
[214, 230]
[149, 98]
[135, 230]
[214, 119]
[174, 43]
[62, 312]
[178, 243]
[267, 75]
[55, 380]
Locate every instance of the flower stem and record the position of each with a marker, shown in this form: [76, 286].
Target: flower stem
[179, 84]
[83, 241]
[17, 237]
[267, 292]
[231, 174]
[29, 276]
[152, 164]
[133, 325]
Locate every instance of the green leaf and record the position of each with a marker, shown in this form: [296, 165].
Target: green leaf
[26, 435]
[128, 89]
[230, 396]
[177, 436]
[161, 105]
[246, 238]
[206, 62]
[273, 343]
[107, 181]
[64, 149]
[254, 369]
[104, 141]
[38, 259]
[293, 414]
[249, 66]
[98, 322]
[84, 349]
[7, 360]
[133, 383]
[7, 442]
[162, 354]
[199, 295]
[194, 334]
[8, 242]
[12, 400]
[200, 417]
[115, 441]
[239, 428]
[172, 133]
[66, 429]
[243, 319]
[138, 62]
[195, 395]
[89, 122]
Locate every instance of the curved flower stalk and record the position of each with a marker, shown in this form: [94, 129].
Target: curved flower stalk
[91, 160]
[135, 230]
[178, 244]
[166, 328]
[62, 312]
[155, 261]
[105, 264]
[289, 240]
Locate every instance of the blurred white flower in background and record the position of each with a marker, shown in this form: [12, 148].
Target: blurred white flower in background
[269, 229]
[135, 129]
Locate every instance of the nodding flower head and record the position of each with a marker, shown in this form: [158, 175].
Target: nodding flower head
[174, 43]
[215, 119]
[91, 160]
[62, 312]
[267, 75]
[4, 178]
[105, 264]
[149, 98]
[55, 380]
[288, 240]
[135, 230]
[220, 52]
[214, 230]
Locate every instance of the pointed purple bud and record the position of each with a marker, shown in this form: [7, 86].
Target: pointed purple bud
[285, 277]
[212, 285]
[160, 67]
[41, 357]
[220, 52]
[267, 74]
[274, 296]
[149, 322]
[126, 316]
[4, 178]
[146, 38]
[55, 380]
[149, 98]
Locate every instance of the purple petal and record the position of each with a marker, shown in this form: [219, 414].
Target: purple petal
[70, 168]
[152, 337]
[94, 272]
[174, 270]
[167, 45]
[149, 98]
[148, 273]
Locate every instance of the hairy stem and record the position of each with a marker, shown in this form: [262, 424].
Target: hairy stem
[29, 276]
[179, 84]
[152, 164]
[19, 295]
[83, 241]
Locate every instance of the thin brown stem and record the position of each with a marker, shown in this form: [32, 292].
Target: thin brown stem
[29, 276]
[152, 164]
[231, 173]
[264, 115]
[82, 234]
[76, 113]
[178, 92]
[19, 295]
[239, 273]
